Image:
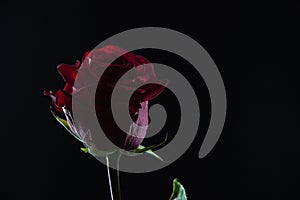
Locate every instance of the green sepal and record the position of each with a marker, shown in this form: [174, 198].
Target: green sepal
[142, 149]
[64, 123]
[85, 150]
[148, 150]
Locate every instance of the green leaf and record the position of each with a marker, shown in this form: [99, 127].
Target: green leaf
[178, 191]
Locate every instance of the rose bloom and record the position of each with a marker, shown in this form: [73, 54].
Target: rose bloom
[94, 63]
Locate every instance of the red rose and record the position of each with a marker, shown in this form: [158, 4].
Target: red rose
[96, 61]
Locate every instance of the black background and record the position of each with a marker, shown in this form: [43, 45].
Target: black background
[255, 46]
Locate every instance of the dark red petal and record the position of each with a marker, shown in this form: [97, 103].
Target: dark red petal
[53, 98]
[68, 88]
[148, 92]
[142, 60]
[63, 100]
[112, 50]
[68, 72]
[85, 55]
[105, 55]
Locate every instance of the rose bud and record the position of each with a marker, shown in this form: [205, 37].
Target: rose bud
[94, 63]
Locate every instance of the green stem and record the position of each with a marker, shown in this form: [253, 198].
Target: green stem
[113, 175]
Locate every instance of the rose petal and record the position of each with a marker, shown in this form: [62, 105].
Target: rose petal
[68, 72]
[63, 99]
